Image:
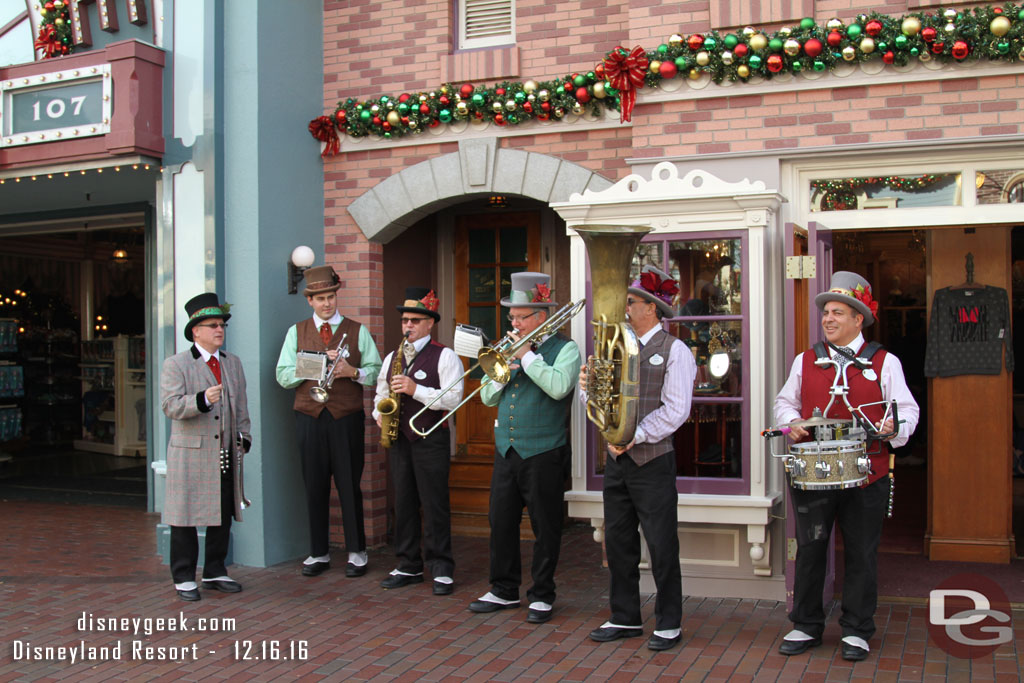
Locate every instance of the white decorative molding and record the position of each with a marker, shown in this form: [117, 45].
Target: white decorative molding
[665, 183]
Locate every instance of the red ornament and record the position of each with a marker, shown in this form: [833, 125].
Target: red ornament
[376, 120]
[466, 90]
[546, 106]
[960, 50]
[668, 69]
[444, 100]
[582, 96]
[424, 108]
[937, 48]
[997, 10]
[774, 63]
[833, 39]
[479, 115]
[405, 120]
[740, 50]
[527, 107]
[341, 116]
[386, 126]
[499, 91]
[543, 117]
[435, 123]
[567, 86]
[928, 34]
[888, 57]
[873, 27]
[695, 42]
[499, 119]
[48, 6]
[404, 97]
[599, 71]
[812, 47]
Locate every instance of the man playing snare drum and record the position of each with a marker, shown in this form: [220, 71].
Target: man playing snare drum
[847, 307]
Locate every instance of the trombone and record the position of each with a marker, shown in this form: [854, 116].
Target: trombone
[496, 361]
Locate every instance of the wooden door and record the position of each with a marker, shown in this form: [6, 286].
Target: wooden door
[488, 249]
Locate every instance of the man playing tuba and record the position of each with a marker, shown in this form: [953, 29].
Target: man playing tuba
[419, 464]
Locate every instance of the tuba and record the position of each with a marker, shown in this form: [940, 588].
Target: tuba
[613, 370]
[389, 407]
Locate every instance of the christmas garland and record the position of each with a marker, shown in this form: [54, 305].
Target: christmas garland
[841, 193]
[54, 37]
[995, 33]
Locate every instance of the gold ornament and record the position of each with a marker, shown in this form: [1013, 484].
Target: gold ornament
[531, 98]
[675, 40]
[748, 31]
[496, 107]
[1020, 55]
[703, 58]
[727, 58]
[925, 56]
[543, 95]
[791, 47]
[461, 108]
[444, 89]
[950, 27]
[393, 118]
[785, 31]
[910, 26]
[743, 71]
[834, 25]
[758, 41]
[423, 98]
[849, 53]
[950, 14]
[577, 108]
[375, 109]
[867, 45]
[1000, 26]
[58, 4]
[694, 74]
[530, 87]
[510, 105]
[412, 123]
[599, 91]
[59, 21]
[654, 66]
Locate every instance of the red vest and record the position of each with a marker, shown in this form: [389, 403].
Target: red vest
[817, 380]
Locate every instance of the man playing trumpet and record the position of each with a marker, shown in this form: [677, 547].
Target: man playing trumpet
[418, 370]
[331, 434]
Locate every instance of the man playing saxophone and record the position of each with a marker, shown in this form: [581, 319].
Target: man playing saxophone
[419, 368]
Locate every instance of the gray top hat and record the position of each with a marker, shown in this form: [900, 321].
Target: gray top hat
[657, 287]
[530, 290]
[852, 290]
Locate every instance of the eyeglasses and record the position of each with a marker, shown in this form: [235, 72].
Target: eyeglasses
[630, 302]
[521, 318]
[414, 321]
[214, 326]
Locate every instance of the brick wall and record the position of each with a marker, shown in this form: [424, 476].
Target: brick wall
[375, 47]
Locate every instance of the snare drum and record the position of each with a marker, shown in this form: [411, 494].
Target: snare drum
[816, 465]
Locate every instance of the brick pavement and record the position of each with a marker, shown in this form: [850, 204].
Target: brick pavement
[59, 561]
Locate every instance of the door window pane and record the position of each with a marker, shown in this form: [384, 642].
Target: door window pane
[513, 244]
[709, 273]
[481, 285]
[718, 350]
[1000, 187]
[710, 443]
[481, 246]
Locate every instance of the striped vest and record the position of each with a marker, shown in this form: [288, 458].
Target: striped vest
[652, 376]
[346, 396]
[528, 419]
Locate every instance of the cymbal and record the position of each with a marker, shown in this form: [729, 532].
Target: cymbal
[818, 422]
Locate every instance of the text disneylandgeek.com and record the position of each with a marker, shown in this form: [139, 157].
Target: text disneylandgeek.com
[137, 649]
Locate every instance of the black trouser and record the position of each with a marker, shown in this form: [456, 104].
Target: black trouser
[419, 470]
[645, 497]
[860, 512]
[185, 540]
[332, 447]
[538, 483]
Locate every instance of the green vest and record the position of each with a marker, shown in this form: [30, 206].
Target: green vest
[528, 419]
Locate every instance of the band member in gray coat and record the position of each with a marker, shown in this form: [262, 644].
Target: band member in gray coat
[203, 393]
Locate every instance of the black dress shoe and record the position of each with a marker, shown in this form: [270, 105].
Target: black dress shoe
[354, 570]
[795, 647]
[190, 595]
[607, 633]
[315, 569]
[484, 606]
[853, 653]
[538, 616]
[224, 586]
[441, 588]
[658, 643]
[399, 580]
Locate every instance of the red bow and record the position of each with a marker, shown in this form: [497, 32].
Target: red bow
[48, 41]
[542, 294]
[625, 71]
[430, 301]
[663, 289]
[322, 128]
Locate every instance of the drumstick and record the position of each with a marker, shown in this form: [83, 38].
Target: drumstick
[769, 433]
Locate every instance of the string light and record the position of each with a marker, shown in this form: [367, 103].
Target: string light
[67, 174]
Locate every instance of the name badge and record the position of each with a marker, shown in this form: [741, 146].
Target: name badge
[419, 374]
[656, 359]
[869, 375]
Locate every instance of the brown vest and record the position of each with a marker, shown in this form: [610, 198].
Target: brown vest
[651, 379]
[345, 396]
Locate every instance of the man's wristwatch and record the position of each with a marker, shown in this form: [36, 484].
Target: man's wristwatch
[356, 375]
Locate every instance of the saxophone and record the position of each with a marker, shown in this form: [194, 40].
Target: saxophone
[389, 408]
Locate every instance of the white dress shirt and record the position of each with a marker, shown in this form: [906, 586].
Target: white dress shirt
[449, 369]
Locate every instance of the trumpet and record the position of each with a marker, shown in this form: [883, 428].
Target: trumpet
[496, 361]
[319, 392]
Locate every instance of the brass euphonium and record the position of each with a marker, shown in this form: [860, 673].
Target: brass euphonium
[613, 371]
[390, 407]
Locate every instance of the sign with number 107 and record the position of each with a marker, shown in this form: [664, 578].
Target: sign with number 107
[59, 106]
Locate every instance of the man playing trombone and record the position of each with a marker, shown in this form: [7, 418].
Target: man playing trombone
[418, 370]
[331, 433]
[531, 461]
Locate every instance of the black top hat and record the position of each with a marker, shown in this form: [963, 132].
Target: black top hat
[420, 300]
[202, 307]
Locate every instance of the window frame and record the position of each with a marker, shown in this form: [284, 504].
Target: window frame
[464, 43]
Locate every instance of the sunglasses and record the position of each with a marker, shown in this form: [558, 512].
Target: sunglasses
[214, 326]
[414, 321]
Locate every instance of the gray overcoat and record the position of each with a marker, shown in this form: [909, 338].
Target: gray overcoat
[192, 495]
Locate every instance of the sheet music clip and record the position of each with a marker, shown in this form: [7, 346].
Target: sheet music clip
[468, 341]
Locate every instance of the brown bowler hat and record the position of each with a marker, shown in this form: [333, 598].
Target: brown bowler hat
[320, 279]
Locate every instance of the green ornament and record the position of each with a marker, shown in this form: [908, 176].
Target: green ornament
[612, 92]
[710, 43]
[818, 65]
[663, 49]
[797, 67]
[519, 97]
[775, 45]
[1003, 47]
[403, 108]
[365, 116]
[682, 62]
[731, 41]
[591, 77]
[579, 81]
[477, 99]
[914, 51]
[755, 62]
[807, 23]
[901, 42]
[384, 99]
[853, 31]
[1020, 15]
[445, 115]
[512, 119]
[882, 46]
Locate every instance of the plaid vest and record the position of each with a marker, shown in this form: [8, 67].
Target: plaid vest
[528, 419]
[652, 376]
[346, 396]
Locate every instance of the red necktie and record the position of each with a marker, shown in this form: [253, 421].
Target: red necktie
[215, 366]
[325, 333]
